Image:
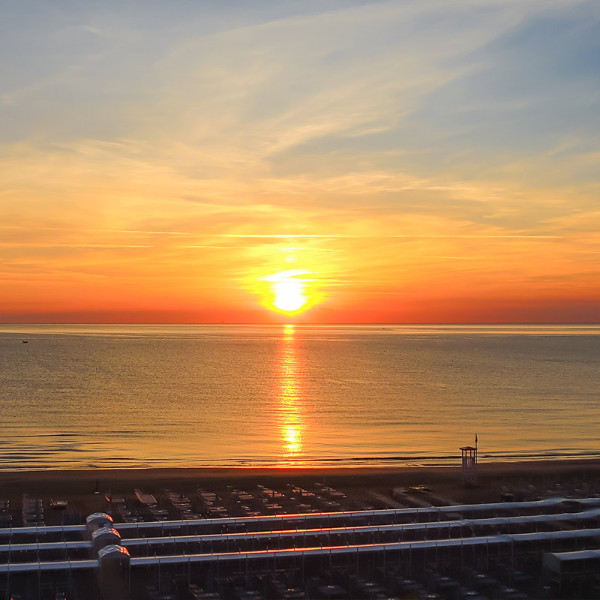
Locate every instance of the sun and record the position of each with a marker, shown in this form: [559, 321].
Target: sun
[289, 296]
[288, 292]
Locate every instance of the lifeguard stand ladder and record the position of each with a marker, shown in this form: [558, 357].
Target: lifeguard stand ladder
[469, 463]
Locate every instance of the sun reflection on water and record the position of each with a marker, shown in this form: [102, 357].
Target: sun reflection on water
[291, 415]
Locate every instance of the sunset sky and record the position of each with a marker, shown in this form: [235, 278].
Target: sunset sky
[299, 160]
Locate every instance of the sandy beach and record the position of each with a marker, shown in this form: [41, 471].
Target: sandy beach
[527, 480]
[145, 496]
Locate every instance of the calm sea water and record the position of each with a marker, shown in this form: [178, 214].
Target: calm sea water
[222, 395]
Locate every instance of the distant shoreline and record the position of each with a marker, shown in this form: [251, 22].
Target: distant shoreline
[343, 465]
[84, 478]
[484, 467]
[363, 465]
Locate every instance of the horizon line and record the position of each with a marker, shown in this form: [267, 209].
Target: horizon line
[302, 323]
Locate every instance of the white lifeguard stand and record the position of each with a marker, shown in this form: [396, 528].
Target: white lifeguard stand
[469, 463]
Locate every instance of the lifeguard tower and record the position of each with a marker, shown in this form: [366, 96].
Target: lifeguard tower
[469, 463]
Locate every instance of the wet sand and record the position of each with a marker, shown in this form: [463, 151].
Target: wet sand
[527, 480]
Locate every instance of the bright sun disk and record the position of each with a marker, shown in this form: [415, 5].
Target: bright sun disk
[288, 295]
[288, 291]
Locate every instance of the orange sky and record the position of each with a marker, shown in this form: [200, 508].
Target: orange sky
[384, 162]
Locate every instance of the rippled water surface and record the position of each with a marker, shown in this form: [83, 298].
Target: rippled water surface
[224, 395]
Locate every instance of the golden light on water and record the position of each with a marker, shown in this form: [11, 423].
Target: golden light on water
[291, 411]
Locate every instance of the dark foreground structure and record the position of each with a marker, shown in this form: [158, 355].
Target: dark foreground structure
[255, 546]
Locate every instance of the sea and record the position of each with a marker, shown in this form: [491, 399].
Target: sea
[143, 396]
